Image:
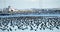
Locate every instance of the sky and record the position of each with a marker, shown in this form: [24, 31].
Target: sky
[27, 4]
[51, 4]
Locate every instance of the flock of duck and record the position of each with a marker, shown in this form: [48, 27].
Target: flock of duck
[32, 22]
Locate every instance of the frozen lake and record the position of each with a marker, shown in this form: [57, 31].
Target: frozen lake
[28, 30]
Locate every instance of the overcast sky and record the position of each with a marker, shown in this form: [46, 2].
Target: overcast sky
[26, 4]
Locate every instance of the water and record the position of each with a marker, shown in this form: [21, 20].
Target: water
[18, 15]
